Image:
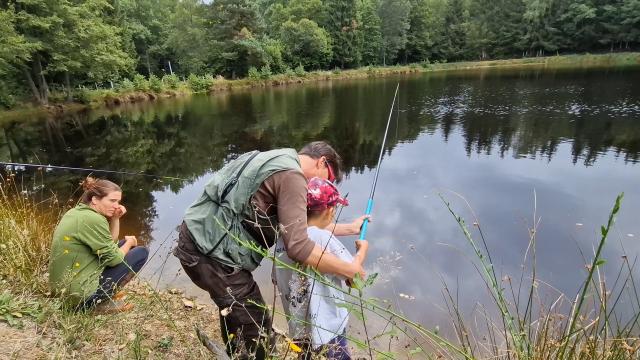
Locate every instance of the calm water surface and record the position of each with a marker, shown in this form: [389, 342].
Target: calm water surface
[561, 143]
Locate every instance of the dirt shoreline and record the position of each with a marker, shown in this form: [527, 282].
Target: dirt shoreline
[161, 325]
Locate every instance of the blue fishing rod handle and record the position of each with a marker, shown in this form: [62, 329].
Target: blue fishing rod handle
[363, 230]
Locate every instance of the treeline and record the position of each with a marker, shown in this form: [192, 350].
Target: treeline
[73, 42]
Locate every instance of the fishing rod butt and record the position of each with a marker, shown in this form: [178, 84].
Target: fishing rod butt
[365, 223]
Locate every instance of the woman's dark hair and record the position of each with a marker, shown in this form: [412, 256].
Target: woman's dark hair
[98, 188]
[318, 149]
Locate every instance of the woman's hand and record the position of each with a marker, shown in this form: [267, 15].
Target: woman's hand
[120, 211]
[132, 241]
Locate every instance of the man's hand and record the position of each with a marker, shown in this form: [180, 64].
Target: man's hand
[120, 212]
[132, 241]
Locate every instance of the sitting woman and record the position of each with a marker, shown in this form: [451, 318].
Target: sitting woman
[87, 265]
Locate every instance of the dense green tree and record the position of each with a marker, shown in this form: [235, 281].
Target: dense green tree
[14, 48]
[230, 23]
[307, 44]
[145, 27]
[455, 23]
[262, 51]
[631, 22]
[66, 37]
[370, 32]
[187, 38]
[395, 23]
[541, 32]
[341, 24]
[426, 35]
[277, 13]
[88, 45]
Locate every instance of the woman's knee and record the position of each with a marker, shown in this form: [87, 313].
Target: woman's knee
[136, 257]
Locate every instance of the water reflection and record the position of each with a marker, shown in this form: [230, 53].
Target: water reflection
[492, 136]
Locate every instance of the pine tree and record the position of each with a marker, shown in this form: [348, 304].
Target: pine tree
[369, 32]
[341, 24]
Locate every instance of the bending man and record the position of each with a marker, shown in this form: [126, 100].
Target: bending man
[251, 202]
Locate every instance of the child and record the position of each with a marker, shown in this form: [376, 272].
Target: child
[318, 320]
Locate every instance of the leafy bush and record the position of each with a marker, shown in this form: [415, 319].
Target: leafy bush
[155, 84]
[171, 81]
[200, 84]
[82, 96]
[289, 71]
[265, 72]
[126, 86]
[7, 100]
[140, 83]
[299, 70]
[253, 73]
[55, 96]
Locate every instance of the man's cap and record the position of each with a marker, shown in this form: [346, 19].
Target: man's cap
[322, 194]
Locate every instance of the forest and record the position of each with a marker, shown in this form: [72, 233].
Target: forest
[48, 45]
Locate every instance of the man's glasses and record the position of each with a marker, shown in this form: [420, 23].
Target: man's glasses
[330, 176]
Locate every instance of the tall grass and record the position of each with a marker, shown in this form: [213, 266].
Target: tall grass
[591, 325]
[28, 217]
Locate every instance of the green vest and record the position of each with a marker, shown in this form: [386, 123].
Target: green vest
[215, 219]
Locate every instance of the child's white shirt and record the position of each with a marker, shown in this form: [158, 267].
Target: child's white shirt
[326, 318]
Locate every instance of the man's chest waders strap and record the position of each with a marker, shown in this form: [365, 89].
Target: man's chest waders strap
[226, 191]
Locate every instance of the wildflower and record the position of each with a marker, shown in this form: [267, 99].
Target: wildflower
[66, 238]
[295, 348]
[226, 311]
[66, 251]
[77, 264]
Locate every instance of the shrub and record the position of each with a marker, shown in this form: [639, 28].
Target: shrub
[82, 96]
[299, 71]
[155, 84]
[126, 86]
[253, 73]
[289, 71]
[265, 72]
[140, 83]
[7, 100]
[200, 84]
[171, 81]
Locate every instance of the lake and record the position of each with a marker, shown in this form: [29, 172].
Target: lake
[555, 144]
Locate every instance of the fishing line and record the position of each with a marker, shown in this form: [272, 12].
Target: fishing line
[363, 232]
[53, 167]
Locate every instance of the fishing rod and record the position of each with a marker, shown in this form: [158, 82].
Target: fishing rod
[53, 167]
[363, 231]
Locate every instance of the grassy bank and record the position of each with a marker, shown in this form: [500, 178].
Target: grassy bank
[142, 89]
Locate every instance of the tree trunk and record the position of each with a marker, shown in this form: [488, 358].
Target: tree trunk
[32, 85]
[148, 64]
[44, 89]
[67, 83]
